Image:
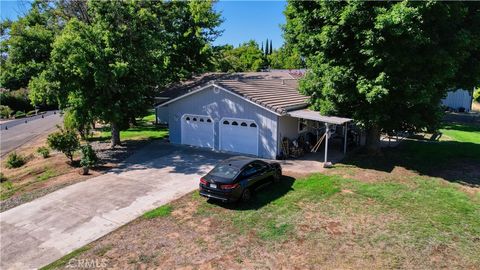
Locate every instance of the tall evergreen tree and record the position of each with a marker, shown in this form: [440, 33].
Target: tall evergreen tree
[271, 48]
[266, 48]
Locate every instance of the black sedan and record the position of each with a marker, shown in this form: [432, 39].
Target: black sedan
[237, 177]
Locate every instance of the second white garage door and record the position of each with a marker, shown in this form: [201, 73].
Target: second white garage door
[197, 130]
[239, 135]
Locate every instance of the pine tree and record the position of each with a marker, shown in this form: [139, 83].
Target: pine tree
[270, 50]
[262, 47]
[266, 47]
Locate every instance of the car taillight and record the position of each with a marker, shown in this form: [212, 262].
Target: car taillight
[203, 181]
[231, 186]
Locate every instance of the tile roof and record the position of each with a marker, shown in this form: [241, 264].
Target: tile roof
[276, 95]
[275, 90]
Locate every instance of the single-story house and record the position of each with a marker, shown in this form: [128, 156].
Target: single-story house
[246, 113]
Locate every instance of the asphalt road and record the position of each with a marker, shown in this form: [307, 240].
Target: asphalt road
[15, 133]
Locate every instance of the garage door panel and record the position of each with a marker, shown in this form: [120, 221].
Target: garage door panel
[239, 135]
[197, 130]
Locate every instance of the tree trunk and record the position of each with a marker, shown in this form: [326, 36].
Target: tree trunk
[373, 140]
[115, 135]
[133, 121]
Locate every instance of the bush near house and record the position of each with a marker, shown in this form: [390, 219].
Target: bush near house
[15, 160]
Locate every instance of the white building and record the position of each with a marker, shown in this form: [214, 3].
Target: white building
[458, 99]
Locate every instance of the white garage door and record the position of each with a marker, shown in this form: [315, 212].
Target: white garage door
[239, 135]
[197, 130]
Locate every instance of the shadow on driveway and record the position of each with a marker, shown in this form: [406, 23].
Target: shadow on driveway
[175, 158]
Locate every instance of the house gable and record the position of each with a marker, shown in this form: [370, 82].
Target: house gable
[218, 103]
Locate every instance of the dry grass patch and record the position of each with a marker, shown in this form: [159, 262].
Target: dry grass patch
[38, 176]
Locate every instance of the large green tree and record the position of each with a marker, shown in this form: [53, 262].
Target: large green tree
[25, 46]
[246, 57]
[26, 43]
[285, 58]
[108, 67]
[385, 64]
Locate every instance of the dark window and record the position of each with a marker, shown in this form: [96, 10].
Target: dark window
[253, 125]
[194, 119]
[249, 170]
[243, 124]
[188, 118]
[234, 123]
[260, 166]
[208, 120]
[224, 170]
[201, 120]
[226, 122]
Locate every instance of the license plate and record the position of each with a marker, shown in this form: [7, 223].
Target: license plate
[213, 185]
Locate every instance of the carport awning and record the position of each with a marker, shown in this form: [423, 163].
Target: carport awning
[316, 116]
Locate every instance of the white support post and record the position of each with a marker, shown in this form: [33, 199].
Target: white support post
[345, 139]
[326, 142]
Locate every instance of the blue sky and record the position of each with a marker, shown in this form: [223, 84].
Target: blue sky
[243, 20]
[12, 9]
[257, 20]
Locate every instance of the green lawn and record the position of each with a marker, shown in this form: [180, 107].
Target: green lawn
[458, 148]
[161, 211]
[462, 132]
[144, 130]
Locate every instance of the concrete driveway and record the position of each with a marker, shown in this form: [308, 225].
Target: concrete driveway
[39, 232]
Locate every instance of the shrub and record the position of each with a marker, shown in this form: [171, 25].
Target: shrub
[43, 151]
[476, 95]
[19, 114]
[14, 160]
[89, 158]
[5, 111]
[30, 113]
[65, 141]
[78, 121]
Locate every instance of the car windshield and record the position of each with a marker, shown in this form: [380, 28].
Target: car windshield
[225, 171]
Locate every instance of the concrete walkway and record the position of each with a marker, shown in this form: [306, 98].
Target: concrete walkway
[39, 232]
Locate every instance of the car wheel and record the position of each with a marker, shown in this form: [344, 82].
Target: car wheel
[246, 195]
